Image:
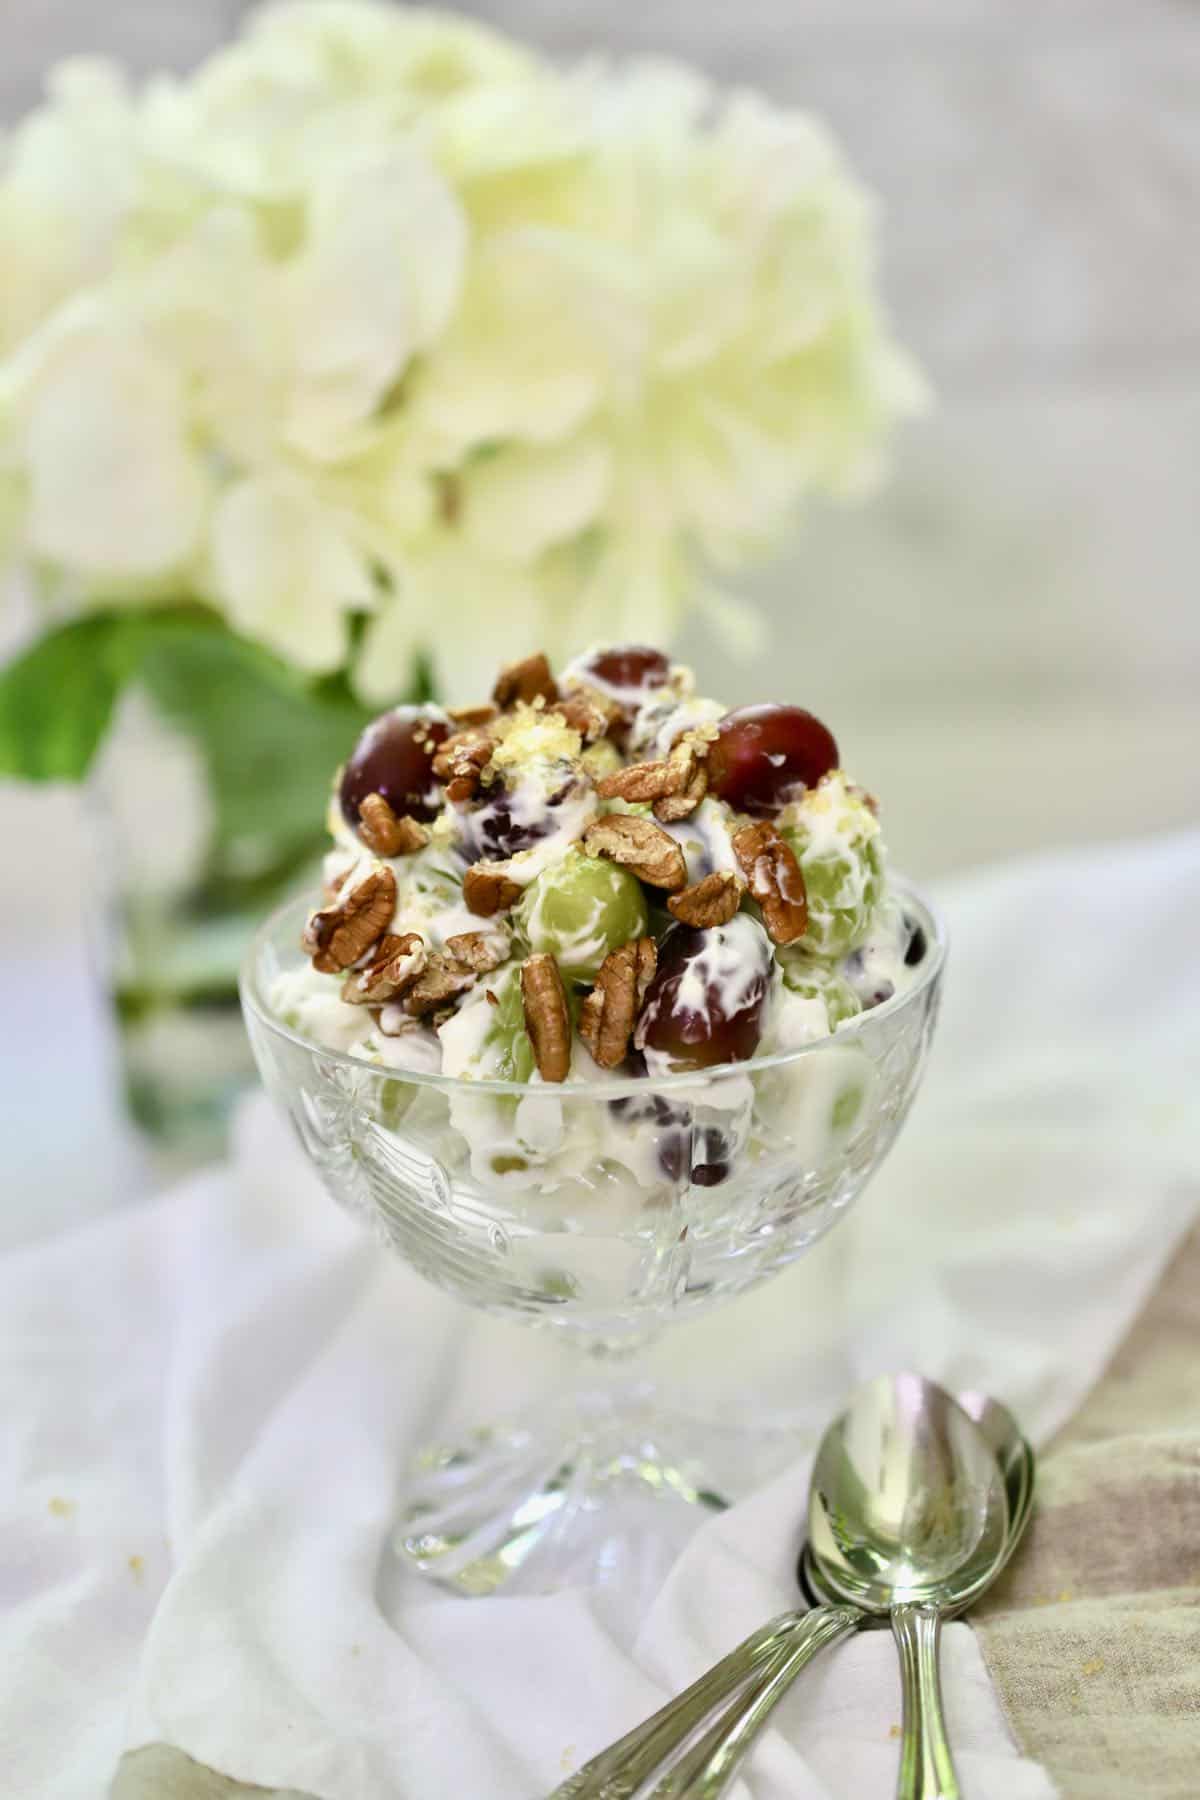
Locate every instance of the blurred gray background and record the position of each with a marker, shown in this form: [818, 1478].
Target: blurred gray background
[1007, 641]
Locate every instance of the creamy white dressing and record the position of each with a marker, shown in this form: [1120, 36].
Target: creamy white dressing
[311, 1004]
[463, 1037]
[877, 969]
[415, 1048]
[539, 1139]
[706, 839]
[796, 1020]
[662, 719]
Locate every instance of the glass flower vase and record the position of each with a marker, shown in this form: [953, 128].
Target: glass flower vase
[206, 807]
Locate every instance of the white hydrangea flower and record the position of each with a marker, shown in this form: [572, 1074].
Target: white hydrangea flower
[389, 217]
[116, 489]
[378, 312]
[287, 571]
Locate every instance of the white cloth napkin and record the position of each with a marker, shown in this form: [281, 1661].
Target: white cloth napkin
[208, 1401]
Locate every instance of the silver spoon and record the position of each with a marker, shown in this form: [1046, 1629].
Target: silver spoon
[763, 1666]
[908, 1515]
[705, 1770]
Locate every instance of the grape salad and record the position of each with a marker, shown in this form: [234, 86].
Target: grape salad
[598, 876]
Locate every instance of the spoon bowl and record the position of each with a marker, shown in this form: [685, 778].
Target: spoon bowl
[1017, 1464]
[907, 1502]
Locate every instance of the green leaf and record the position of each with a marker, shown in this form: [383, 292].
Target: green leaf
[56, 699]
[269, 739]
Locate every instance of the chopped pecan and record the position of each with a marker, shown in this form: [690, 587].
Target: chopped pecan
[712, 901]
[675, 784]
[479, 951]
[639, 781]
[547, 1019]
[488, 890]
[338, 935]
[440, 980]
[687, 762]
[461, 760]
[607, 1016]
[466, 716]
[643, 847]
[528, 680]
[589, 713]
[647, 963]
[382, 831]
[396, 961]
[774, 878]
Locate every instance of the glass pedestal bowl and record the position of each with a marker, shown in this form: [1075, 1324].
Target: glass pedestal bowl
[599, 1212]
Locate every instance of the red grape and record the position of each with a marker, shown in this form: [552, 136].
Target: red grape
[764, 754]
[394, 757]
[627, 666]
[705, 1003]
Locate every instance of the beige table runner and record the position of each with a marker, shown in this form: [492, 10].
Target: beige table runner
[1093, 1636]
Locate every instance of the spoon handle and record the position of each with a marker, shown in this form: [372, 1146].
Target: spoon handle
[706, 1769]
[926, 1766]
[618, 1772]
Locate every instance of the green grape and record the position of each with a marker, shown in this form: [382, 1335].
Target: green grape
[579, 910]
[601, 758]
[836, 839]
[812, 980]
[507, 1054]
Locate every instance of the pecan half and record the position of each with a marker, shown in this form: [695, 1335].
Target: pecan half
[547, 1018]
[641, 846]
[396, 961]
[639, 781]
[687, 761]
[774, 878]
[440, 980]
[479, 951]
[387, 834]
[589, 713]
[607, 1016]
[676, 784]
[712, 901]
[488, 891]
[338, 935]
[461, 760]
[528, 680]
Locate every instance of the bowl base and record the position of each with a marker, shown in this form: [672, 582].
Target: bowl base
[608, 1497]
